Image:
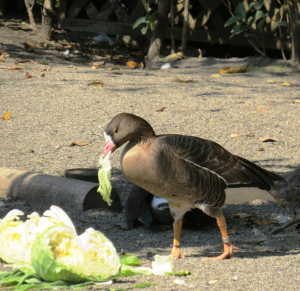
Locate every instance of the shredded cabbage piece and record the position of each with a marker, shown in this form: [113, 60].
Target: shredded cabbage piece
[104, 179]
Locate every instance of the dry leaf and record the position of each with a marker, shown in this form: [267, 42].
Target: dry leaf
[15, 68]
[212, 282]
[81, 144]
[22, 61]
[42, 75]
[296, 101]
[114, 68]
[96, 84]
[271, 81]
[182, 81]
[268, 139]
[2, 57]
[29, 47]
[235, 135]
[161, 109]
[265, 222]
[45, 68]
[241, 101]
[241, 215]
[132, 65]
[117, 73]
[262, 110]
[28, 75]
[216, 75]
[287, 84]
[232, 70]
[6, 116]
[95, 67]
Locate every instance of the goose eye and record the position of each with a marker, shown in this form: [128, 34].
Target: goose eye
[115, 130]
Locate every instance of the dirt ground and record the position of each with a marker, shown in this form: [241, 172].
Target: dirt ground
[236, 110]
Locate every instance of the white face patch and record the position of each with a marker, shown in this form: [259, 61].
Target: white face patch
[108, 138]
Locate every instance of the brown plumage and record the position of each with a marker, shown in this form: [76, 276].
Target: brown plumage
[188, 171]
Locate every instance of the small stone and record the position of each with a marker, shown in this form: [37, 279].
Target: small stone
[2, 204]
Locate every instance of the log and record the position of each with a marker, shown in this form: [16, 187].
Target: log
[36, 188]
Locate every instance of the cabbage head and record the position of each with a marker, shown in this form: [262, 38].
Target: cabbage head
[16, 237]
[58, 254]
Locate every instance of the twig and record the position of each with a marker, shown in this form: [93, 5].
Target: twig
[29, 11]
[276, 230]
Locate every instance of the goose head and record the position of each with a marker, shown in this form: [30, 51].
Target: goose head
[125, 127]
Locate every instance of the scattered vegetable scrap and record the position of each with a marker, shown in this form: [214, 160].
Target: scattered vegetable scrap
[262, 110]
[6, 116]
[216, 75]
[232, 70]
[182, 81]
[171, 58]
[104, 179]
[96, 84]
[47, 69]
[296, 101]
[286, 84]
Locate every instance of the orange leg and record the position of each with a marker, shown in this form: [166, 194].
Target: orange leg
[176, 252]
[228, 247]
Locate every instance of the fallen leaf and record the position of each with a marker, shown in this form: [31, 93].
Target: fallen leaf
[241, 215]
[235, 135]
[98, 63]
[2, 57]
[42, 75]
[15, 68]
[28, 75]
[182, 81]
[132, 65]
[80, 144]
[241, 101]
[262, 110]
[96, 84]
[117, 73]
[22, 61]
[296, 101]
[6, 116]
[232, 70]
[47, 69]
[29, 47]
[268, 139]
[161, 109]
[265, 222]
[216, 75]
[114, 68]
[271, 81]
[95, 67]
[287, 84]
[171, 58]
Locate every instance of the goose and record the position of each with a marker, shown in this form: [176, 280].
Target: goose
[188, 171]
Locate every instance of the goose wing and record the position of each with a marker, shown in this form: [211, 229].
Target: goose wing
[237, 171]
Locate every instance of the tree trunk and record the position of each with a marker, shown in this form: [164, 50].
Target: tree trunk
[47, 19]
[158, 32]
[295, 29]
[29, 8]
[185, 28]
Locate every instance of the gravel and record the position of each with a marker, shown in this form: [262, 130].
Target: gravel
[49, 113]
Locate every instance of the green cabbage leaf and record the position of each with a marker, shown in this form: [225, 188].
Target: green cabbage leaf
[104, 179]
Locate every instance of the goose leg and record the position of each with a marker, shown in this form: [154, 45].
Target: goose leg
[176, 252]
[228, 247]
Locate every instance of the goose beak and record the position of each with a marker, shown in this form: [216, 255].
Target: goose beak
[109, 146]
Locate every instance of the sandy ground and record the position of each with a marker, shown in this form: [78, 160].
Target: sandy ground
[50, 112]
